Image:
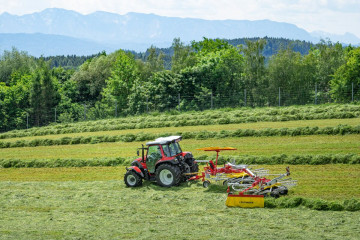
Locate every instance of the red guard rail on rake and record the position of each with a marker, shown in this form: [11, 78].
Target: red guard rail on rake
[211, 168]
[217, 150]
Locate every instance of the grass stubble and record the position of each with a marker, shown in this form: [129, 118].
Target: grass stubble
[93, 203]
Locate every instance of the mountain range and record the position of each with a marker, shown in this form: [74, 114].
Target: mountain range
[61, 32]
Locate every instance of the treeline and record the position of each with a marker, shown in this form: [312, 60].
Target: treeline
[202, 75]
[69, 61]
[273, 45]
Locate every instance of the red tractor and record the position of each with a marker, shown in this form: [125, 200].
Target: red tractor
[164, 163]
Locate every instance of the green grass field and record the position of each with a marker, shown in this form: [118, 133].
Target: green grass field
[93, 203]
[321, 181]
[257, 126]
[264, 146]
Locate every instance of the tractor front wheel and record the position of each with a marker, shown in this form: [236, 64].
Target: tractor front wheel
[168, 175]
[132, 179]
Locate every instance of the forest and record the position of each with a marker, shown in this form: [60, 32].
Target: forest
[212, 73]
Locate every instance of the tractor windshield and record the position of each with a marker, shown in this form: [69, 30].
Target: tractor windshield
[171, 149]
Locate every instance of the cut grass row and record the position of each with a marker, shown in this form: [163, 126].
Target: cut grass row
[259, 146]
[275, 159]
[224, 116]
[108, 210]
[321, 123]
[329, 182]
[93, 203]
[338, 130]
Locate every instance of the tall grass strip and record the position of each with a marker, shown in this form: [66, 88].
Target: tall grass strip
[210, 117]
[118, 161]
[140, 137]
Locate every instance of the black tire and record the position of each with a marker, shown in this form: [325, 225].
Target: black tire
[283, 190]
[132, 179]
[275, 193]
[168, 175]
[266, 194]
[195, 167]
[206, 183]
[185, 172]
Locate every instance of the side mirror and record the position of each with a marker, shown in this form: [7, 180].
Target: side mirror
[138, 152]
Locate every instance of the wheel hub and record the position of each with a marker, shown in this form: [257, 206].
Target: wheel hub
[131, 180]
[166, 177]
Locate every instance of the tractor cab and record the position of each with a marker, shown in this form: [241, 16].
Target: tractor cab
[162, 160]
[162, 149]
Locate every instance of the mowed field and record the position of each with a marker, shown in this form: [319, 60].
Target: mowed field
[310, 178]
[266, 146]
[257, 126]
[93, 202]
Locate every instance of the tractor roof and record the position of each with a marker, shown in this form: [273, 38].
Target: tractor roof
[165, 140]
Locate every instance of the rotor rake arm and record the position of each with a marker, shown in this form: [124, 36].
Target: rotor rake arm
[257, 185]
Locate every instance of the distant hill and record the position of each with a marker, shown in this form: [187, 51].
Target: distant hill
[38, 44]
[89, 34]
[347, 38]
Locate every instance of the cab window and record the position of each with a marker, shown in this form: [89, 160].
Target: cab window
[166, 150]
[178, 148]
[153, 155]
[174, 149]
[154, 152]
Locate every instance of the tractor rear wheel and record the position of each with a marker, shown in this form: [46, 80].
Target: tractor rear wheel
[194, 167]
[132, 179]
[168, 175]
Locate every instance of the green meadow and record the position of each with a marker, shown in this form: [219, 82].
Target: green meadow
[93, 203]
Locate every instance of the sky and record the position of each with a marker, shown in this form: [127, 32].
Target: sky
[332, 16]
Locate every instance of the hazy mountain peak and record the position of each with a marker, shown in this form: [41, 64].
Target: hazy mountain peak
[347, 38]
[5, 14]
[138, 31]
[58, 11]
